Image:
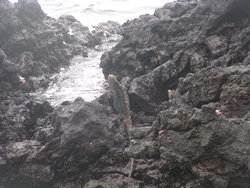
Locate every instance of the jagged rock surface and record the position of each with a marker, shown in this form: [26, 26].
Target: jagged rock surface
[32, 46]
[194, 136]
[190, 60]
[36, 45]
[177, 40]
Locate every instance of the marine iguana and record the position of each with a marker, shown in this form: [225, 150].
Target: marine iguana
[120, 100]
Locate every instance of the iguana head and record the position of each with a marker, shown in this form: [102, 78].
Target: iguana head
[112, 79]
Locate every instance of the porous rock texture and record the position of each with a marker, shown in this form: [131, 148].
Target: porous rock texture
[188, 77]
[189, 61]
[32, 47]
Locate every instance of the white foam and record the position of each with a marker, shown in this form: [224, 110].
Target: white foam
[83, 78]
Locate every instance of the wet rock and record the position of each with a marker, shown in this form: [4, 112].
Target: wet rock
[77, 32]
[107, 31]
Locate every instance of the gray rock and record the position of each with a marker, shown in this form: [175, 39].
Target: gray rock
[36, 172]
[22, 149]
[2, 56]
[113, 181]
[173, 10]
[197, 50]
[212, 136]
[107, 31]
[235, 93]
[153, 87]
[205, 87]
[142, 149]
[217, 45]
[173, 120]
[141, 132]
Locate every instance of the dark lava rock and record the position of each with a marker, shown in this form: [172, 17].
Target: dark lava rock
[24, 128]
[84, 133]
[187, 72]
[20, 117]
[205, 90]
[82, 136]
[213, 143]
[152, 88]
[115, 180]
[187, 38]
[107, 31]
[38, 45]
[77, 32]
[190, 61]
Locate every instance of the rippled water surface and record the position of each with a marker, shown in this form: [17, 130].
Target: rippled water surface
[83, 78]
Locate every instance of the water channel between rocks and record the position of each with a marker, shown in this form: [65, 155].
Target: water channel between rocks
[83, 78]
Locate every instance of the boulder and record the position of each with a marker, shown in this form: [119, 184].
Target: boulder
[211, 140]
[217, 45]
[20, 117]
[83, 133]
[235, 93]
[107, 31]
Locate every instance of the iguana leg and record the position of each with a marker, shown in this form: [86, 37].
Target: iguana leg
[109, 95]
[128, 122]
